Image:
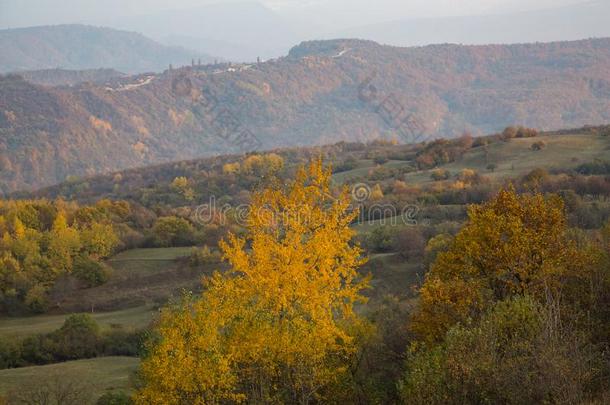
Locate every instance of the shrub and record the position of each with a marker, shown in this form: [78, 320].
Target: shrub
[536, 177]
[410, 243]
[518, 353]
[114, 398]
[348, 164]
[380, 239]
[78, 338]
[596, 167]
[468, 176]
[376, 193]
[509, 133]
[53, 390]
[538, 145]
[478, 142]
[121, 342]
[440, 174]
[10, 353]
[38, 349]
[380, 160]
[90, 271]
[173, 231]
[437, 244]
[203, 256]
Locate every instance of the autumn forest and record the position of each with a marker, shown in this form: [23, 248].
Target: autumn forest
[220, 202]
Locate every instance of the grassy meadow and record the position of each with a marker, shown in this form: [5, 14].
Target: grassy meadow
[97, 375]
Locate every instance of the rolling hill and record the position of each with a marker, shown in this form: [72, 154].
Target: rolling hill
[322, 92]
[80, 47]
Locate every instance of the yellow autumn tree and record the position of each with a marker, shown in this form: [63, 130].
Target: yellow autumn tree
[64, 243]
[511, 245]
[279, 326]
[181, 186]
[376, 193]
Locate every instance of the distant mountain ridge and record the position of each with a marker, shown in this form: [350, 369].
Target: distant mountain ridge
[237, 31]
[64, 77]
[577, 21]
[312, 96]
[79, 47]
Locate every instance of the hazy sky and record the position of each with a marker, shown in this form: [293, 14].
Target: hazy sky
[323, 13]
[242, 30]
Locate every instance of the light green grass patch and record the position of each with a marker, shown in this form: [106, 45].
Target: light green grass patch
[171, 253]
[131, 318]
[100, 374]
[516, 158]
[146, 261]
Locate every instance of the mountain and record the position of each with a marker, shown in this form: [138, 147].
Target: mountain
[584, 20]
[322, 92]
[86, 47]
[240, 31]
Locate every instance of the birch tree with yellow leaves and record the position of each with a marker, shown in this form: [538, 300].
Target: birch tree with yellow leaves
[279, 326]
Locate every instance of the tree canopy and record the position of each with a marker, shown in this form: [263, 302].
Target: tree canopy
[279, 326]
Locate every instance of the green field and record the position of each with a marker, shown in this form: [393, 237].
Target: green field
[97, 375]
[516, 158]
[131, 318]
[145, 261]
[170, 253]
[512, 159]
[362, 168]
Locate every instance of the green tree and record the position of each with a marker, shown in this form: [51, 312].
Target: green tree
[78, 338]
[173, 231]
[90, 271]
[513, 244]
[518, 353]
[114, 398]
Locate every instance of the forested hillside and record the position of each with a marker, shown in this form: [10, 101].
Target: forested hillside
[322, 92]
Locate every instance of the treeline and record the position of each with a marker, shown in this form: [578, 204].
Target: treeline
[43, 241]
[45, 244]
[80, 337]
